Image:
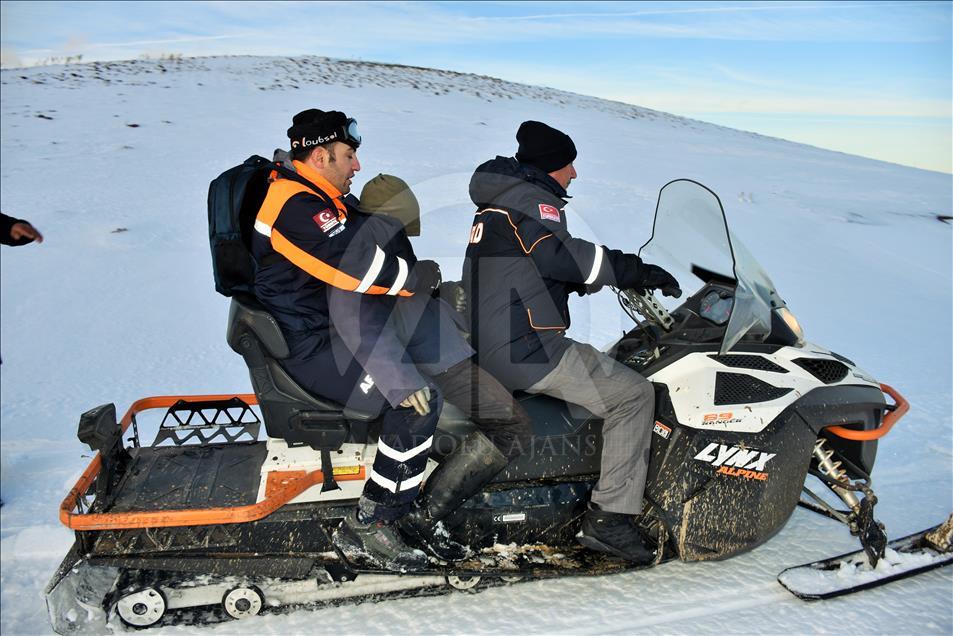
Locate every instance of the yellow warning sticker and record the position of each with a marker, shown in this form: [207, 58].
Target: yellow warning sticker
[346, 470]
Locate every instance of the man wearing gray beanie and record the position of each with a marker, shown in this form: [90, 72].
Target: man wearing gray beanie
[521, 265]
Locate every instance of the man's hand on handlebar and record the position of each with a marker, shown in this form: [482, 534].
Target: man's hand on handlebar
[654, 277]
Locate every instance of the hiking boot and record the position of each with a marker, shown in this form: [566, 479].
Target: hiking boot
[615, 534]
[377, 544]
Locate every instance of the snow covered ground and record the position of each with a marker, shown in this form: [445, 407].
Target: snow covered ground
[112, 163]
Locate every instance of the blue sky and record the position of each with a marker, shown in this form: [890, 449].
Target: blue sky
[869, 78]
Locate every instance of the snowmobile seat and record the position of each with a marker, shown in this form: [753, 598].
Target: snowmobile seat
[566, 441]
[288, 410]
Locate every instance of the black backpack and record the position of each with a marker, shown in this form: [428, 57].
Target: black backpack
[234, 199]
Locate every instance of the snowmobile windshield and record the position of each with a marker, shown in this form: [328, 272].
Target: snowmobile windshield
[690, 239]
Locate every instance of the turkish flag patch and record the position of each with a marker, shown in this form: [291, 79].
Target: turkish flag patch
[326, 220]
[548, 213]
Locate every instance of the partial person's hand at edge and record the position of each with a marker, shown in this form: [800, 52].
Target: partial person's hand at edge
[24, 230]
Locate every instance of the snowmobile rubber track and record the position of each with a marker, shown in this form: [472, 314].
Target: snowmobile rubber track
[488, 579]
[913, 544]
[492, 567]
[214, 614]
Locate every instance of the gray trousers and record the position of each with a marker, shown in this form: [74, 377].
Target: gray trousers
[626, 403]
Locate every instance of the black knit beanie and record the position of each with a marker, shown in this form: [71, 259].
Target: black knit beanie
[544, 147]
[315, 127]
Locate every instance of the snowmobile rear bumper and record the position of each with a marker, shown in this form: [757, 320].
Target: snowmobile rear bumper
[282, 487]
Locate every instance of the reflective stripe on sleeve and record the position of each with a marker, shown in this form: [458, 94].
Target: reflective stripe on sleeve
[318, 268]
[402, 271]
[596, 265]
[373, 271]
[262, 228]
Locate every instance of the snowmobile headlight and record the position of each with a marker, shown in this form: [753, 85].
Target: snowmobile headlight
[791, 323]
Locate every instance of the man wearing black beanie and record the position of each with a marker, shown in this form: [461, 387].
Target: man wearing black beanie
[544, 147]
[521, 265]
[310, 237]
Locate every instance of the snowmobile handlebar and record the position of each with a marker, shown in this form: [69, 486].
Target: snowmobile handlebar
[893, 414]
[643, 302]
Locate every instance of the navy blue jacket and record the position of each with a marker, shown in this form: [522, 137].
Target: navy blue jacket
[303, 247]
[521, 265]
[396, 339]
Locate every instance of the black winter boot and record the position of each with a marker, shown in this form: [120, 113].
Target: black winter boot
[616, 534]
[376, 543]
[456, 479]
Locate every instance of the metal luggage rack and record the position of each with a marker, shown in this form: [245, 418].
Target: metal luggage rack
[198, 420]
[203, 422]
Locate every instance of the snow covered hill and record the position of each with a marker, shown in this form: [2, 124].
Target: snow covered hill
[111, 161]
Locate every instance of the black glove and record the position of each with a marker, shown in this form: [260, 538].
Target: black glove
[428, 277]
[654, 277]
[583, 290]
[453, 293]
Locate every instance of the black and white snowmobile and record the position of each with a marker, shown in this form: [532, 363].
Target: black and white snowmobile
[189, 513]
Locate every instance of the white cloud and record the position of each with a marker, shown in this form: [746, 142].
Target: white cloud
[677, 102]
[775, 21]
[348, 28]
[9, 58]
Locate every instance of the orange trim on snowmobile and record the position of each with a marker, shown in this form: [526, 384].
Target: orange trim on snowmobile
[900, 408]
[276, 480]
[280, 490]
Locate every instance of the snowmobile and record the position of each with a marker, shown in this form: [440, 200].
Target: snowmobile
[188, 513]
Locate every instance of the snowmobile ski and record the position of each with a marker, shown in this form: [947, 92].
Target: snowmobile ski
[848, 573]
